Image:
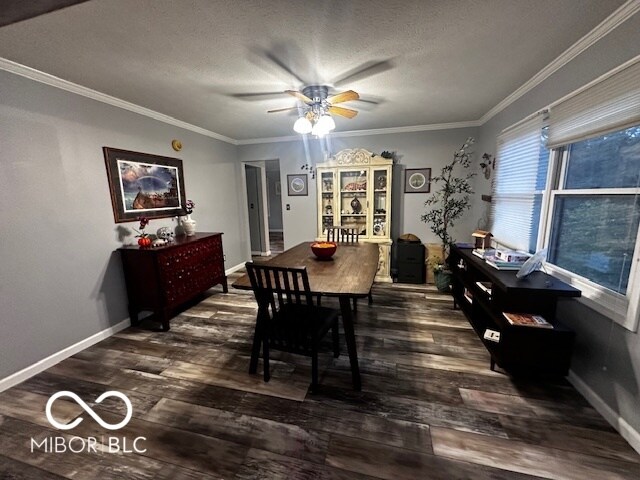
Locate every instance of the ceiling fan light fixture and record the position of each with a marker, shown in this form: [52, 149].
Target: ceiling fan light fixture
[323, 125]
[302, 125]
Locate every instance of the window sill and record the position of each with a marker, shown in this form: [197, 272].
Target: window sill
[604, 301]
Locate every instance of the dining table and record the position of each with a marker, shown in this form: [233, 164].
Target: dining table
[348, 274]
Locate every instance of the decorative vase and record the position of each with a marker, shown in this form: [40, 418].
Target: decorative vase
[189, 225]
[356, 206]
[442, 281]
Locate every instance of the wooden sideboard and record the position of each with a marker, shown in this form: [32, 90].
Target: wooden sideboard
[164, 278]
[518, 349]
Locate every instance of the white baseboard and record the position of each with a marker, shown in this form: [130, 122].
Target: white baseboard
[231, 270]
[627, 432]
[51, 360]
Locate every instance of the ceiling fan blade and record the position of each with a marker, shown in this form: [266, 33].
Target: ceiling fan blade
[282, 109]
[343, 97]
[364, 71]
[283, 66]
[343, 112]
[300, 96]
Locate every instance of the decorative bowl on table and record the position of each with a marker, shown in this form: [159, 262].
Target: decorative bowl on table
[323, 250]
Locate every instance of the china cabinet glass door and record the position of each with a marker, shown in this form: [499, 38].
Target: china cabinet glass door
[327, 200]
[380, 203]
[353, 199]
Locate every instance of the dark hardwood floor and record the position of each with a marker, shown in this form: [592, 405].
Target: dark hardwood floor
[430, 408]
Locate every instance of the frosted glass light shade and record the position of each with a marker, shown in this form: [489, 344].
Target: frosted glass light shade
[323, 126]
[302, 125]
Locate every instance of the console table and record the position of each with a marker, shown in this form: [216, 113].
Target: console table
[164, 278]
[517, 349]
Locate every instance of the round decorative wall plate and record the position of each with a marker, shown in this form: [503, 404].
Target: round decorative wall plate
[417, 180]
[297, 185]
[177, 145]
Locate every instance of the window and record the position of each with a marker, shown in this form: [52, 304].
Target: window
[519, 183]
[586, 197]
[596, 209]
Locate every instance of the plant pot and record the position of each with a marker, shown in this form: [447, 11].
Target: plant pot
[443, 281]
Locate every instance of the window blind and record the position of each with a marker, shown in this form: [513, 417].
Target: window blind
[516, 185]
[612, 103]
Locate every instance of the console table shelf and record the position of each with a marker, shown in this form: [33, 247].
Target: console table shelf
[519, 349]
[165, 278]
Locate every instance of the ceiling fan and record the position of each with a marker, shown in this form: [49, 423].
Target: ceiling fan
[317, 108]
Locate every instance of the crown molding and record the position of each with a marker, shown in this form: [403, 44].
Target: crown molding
[374, 131]
[613, 21]
[52, 80]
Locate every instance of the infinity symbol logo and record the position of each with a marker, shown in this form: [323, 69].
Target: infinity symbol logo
[89, 410]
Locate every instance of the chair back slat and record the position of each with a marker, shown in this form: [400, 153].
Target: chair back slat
[342, 234]
[288, 320]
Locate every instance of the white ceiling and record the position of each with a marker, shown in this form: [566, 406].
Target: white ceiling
[434, 61]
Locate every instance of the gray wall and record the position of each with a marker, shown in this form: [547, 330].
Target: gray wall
[60, 279]
[415, 150]
[608, 364]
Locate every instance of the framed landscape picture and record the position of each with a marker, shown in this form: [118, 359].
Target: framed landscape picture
[297, 185]
[144, 185]
[417, 180]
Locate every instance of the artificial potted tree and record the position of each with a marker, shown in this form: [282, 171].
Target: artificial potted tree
[449, 201]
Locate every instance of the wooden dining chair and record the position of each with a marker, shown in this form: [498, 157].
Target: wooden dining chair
[287, 319]
[340, 235]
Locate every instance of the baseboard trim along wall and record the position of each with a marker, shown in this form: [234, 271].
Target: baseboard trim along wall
[57, 357]
[231, 270]
[40, 366]
[627, 432]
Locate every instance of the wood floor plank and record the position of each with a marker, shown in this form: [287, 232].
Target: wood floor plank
[564, 436]
[262, 465]
[15, 442]
[525, 458]
[317, 416]
[294, 388]
[176, 446]
[11, 469]
[391, 463]
[249, 430]
[528, 407]
[31, 407]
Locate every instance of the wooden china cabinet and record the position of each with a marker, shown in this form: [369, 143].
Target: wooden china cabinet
[354, 190]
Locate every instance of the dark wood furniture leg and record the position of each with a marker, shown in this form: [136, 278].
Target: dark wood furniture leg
[225, 287]
[133, 315]
[255, 349]
[165, 317]
[350, 337]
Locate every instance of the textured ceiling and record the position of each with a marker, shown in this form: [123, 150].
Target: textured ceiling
[421, 62]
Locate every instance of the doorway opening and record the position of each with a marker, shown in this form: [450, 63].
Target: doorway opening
[264, 207]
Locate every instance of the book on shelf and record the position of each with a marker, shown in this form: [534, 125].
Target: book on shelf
[483, 252]
[511, 256]
[502, 265]
[527, 320]
[485, 287]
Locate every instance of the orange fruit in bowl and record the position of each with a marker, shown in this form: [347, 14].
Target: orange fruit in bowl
[323, 250]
